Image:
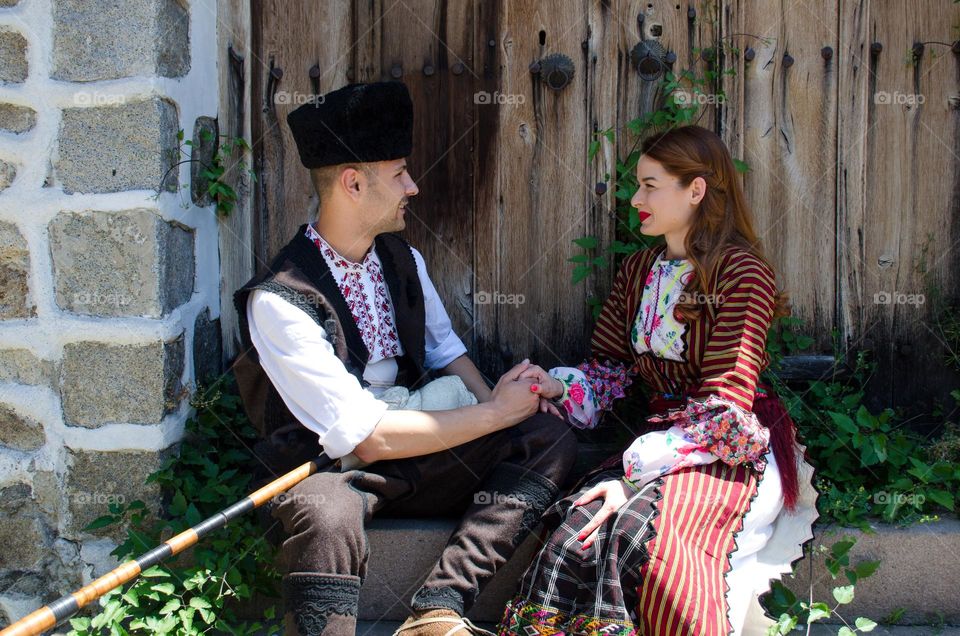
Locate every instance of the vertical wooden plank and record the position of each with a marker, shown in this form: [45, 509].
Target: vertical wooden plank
[292, 35]
[789, 142]
[235, 237]
[898, 214]
[429, 45]
[604, 57]
[730, 117]
[533, 188]
[368, 20]
[678, 32]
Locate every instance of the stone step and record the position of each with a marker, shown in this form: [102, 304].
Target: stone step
[919, 571]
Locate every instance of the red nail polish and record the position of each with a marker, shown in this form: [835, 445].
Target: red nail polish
[534, 388]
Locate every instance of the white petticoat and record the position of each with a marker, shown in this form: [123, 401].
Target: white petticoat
[769, 542]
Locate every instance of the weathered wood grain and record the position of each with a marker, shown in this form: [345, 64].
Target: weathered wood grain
[236, 231]
[899, 214]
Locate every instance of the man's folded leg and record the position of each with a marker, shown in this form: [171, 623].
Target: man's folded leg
[325, 554]
[509, 478]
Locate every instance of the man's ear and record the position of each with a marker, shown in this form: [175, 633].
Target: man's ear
[352, 181]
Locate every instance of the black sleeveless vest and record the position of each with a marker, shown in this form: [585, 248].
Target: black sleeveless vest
[299, 274]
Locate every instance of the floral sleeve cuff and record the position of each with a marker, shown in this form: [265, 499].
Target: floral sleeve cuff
[608, 381]
[577, 400]
[591, 388]
[732, 434]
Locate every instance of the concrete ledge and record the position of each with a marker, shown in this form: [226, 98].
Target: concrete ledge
[919, 571]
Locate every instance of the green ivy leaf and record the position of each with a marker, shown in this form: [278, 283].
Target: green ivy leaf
[941, 497]
[101, 522]
[818, 611]
[866, 568]
[580, 272]
[587, 242]
[200, 603]
[843, 594]
[865, 624]
[163, 588]
[844, 422]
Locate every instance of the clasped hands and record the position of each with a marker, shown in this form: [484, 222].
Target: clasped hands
[527, 388]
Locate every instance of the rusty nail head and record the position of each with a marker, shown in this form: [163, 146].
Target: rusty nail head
[875, 48]
[427, 70]
[749, 54]
[826, 52]
[535, 68]
[457, 68]
[601, 188]
[691, 12]
[787, 60]
[396, 72]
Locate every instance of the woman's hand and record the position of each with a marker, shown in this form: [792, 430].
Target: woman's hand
[548, 386]
[614, 493]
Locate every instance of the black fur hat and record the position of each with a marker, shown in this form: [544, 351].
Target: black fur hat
[356, 123]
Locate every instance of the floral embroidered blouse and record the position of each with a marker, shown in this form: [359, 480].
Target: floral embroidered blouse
[711, 364]
[365, 290]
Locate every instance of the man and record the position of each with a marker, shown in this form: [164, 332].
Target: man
[345, 313]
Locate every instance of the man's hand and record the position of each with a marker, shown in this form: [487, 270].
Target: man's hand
[513, 396]
[547, 386]
[614, 493]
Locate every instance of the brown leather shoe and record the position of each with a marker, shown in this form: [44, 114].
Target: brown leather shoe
[439, 622]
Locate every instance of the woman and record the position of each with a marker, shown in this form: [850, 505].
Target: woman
[682, 532]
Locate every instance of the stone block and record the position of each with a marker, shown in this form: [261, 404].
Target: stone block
[129, 263]
[95, 479]
[8, 172]
[23, 543]
[15, 301]
[127, 146]
[22, 367]
[17, 119]
[39, 498]
[120, 38]
[18, 431]
[13, 56]
[103, 383]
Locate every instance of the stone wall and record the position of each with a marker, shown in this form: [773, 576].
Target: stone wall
[107, 289]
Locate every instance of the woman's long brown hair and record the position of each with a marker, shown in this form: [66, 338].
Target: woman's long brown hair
[723, 218]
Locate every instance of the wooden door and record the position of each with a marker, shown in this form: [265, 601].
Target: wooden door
[853, 197]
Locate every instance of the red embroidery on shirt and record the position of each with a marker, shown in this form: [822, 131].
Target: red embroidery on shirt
[374, 317]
